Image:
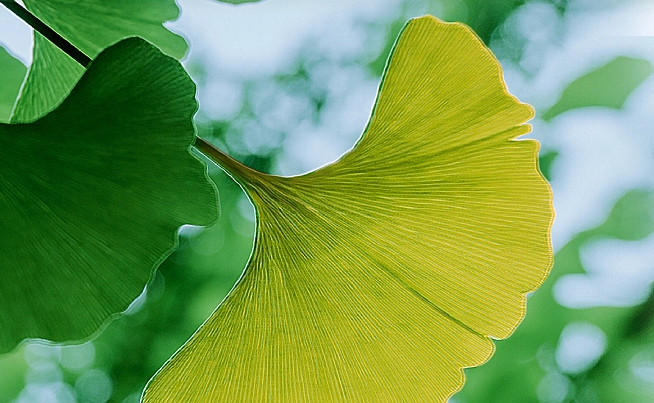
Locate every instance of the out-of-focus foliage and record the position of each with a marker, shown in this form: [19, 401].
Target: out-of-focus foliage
[607, 86]
[90, 25]
[238, 1]
[486, 15]
[483, 16]
[13, 73]
[13, 367]
[88, 212]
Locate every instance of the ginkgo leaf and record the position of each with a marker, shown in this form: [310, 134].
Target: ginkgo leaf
[514, 374]
[51, 76]
[379, 277]
[607, 86]
[13, 72]
[90, 25]
[92, 195]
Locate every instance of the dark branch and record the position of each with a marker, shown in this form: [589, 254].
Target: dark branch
[48, 32]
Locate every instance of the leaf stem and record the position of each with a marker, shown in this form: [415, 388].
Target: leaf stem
[40, 27]
[234, 167]
[241, 173]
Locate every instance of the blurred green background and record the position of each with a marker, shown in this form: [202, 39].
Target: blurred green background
[287, 86]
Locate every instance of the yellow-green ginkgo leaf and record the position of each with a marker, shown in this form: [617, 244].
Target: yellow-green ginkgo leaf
[379, 277]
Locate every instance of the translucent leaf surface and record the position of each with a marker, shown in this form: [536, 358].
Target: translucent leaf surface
[13, 73]
[51, 76]
[608, 86]
[520, 368]
[377, 278]
[92, 194]
[90, 25]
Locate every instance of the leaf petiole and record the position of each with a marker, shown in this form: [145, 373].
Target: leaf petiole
[240, 172]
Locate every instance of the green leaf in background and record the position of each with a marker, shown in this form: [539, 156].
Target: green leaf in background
[92, 195]
[545, 162]
[608, 86]
[13, 73]
[378, 277]
[483, 16]
[13, 372]
[90, 25]
[524, 368]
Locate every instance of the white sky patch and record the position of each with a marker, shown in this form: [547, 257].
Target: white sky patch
[600, 160]
[263, 38]
[15, 36]
[619, 273]
[580, 346]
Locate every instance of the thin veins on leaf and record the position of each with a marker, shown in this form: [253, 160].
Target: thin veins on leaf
[71, 50]
[40, 27]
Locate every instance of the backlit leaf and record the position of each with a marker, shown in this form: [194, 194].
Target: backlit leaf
[51, 76]
[379, 277]
[13, 72]
[90, 25]
[519, 369]
[92, 195]
[608, 86]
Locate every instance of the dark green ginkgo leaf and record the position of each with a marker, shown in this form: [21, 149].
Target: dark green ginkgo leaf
[13, 73]
[90, 25]
[379, 277]
[92, 195]
[607, 86]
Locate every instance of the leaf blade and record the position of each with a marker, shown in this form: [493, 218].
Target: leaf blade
[91, 26]
[351, 293]
[89, 207]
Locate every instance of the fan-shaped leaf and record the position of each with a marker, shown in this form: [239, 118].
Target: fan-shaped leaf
[92, 194]
[90, 25]
[377, 278]
[51, 76]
